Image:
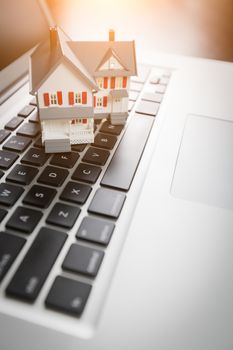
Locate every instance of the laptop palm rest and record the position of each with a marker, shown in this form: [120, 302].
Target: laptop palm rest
[204, 168]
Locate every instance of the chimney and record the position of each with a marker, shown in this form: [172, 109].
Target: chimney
[111, 35]
[53, 38]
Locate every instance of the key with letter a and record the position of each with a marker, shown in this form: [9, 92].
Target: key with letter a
[24, 219]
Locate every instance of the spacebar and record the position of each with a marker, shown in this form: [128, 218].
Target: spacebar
[123, 165]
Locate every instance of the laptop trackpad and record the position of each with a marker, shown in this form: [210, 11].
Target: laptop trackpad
[204, 169]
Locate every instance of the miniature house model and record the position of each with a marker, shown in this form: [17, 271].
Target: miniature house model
[77, 82]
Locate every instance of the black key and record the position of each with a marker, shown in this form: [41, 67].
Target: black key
[17, 143]
[35, 267]
[10, 246]
[1, 173]
[3, 135]
[111, 129]
[3, 213]
[84, 260]
[96, 156]
[63, 215]
[53, 176]
[75, 192]
[14, 123]
[107, 202]
[123, 165]
[148, 108]
[29, 130]
[105, 141]
[35, 156]
[9, 194]
[95, 230]
[22, 174]
[66, 160]
[7, 159]
[87, 173]
[38, 143]
[40, 196]
[34, 117]
[26, 111]
[78, 147]
[24, 219]
[68, 295]
[33, 102]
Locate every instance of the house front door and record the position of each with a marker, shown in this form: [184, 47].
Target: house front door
[117, 105]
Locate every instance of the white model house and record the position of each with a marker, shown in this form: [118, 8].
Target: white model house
[76, 82]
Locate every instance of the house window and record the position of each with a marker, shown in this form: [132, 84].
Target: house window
[117, 100]
[111, 63]
[118, 82]
[53, 99]
[99, 102]
[77, 97]
[100, 83]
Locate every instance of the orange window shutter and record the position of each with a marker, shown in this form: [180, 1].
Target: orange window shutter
[124, 82]
[71, 97]
[105, 101]
[113, 82]
[94, 101]
[84, 97]
[59, 97]
[105, 82]
[46, 99]
[84, 120]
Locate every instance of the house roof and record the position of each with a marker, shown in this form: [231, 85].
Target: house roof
[86, 57]
[93, 53]
[44, 60]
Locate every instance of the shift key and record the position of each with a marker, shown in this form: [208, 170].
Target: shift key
[36, 265]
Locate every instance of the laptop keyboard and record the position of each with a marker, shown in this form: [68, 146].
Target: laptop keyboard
[55, 187]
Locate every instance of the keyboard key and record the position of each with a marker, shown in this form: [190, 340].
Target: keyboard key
[75, 192]
[84, 260]
[123, 165]
[136, 86]
[26, 111]
[33, 102]
[14, 123]
[10, 246]
[36, 157]
[133, 96]
[164, 80]
[53, 176]
[68, 295]
[34, 117]
[87, 173]
[78, 147]
[29, 130]
[63, 215]
[107, 202]
[22, 174]
[9, 194]
[4, 135]
[40, 196]
[17, 144]
[96, 156]
[147, 107]
[150, 96]
[95, 230]
[7, 159]
[24, 219]
[3, 213]
[66, 160]
[105, 141]
[1, 173]
[159, 88]
[111, 129]
[38, 143]
[36, 265]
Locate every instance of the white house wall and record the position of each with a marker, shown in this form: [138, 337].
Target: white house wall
[64, 78]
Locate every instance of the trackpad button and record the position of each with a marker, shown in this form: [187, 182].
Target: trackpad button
[204, 169]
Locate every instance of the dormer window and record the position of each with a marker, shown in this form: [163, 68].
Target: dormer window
[111, 63]
[100, 82]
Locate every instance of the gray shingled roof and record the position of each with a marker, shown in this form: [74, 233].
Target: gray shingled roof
[44, 61]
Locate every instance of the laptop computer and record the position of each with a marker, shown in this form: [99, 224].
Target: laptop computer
[145, 260]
